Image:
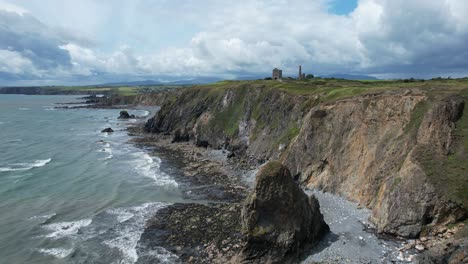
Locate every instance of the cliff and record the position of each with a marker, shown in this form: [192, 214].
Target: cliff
[399, 149]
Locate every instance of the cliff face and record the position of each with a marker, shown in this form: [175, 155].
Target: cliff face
[400, 153]
[368, 149]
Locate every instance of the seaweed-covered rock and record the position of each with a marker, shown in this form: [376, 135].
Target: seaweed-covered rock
[279, 220]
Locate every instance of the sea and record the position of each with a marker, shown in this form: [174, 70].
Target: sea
[70, 193]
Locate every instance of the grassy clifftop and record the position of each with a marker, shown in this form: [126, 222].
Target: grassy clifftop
[332, 89]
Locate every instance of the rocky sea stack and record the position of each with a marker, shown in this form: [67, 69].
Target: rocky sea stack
[279, 221]
[125, 115]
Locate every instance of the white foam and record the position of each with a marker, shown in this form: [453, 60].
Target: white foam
[25, 166]
[161, 254]
[64, 229]
[146, 113]
[24, 108]
[107, 150]
[42, 218]
[56, 252]
[128, 235]
[149, 167]
[122, 214]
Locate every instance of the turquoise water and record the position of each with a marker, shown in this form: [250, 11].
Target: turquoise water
[69, 193]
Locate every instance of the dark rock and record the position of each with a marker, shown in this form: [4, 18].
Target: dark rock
[319, 113]
[279, 221]
[125, 115]
[107, 130]
[195, 232]
[202, 143]
[181, 135]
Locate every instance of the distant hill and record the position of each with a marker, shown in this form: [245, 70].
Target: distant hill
[350, 76]
[191, 81]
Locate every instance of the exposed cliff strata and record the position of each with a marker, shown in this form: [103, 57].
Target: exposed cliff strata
[391, 151]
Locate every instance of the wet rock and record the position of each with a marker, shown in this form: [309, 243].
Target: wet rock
[184, 230]
[107, 130]
[279, 220]
[125, 115]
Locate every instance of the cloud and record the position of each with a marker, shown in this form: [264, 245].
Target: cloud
[33, 46]
[14, 63]
[420, 38]
[12, 8]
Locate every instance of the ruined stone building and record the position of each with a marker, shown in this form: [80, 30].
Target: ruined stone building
[301, 75]
[277, 74]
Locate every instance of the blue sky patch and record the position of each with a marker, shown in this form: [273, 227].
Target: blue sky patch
[343, 7]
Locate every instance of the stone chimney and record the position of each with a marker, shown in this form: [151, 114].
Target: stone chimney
[300, 73]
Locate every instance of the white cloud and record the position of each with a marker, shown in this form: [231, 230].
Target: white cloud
[13, 62]
[12, 8]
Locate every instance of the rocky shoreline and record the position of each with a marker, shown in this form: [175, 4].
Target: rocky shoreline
[209, 230]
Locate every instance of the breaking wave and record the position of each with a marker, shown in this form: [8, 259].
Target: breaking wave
[25, 166]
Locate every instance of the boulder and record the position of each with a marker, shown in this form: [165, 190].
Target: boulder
[107, 130]
[279, 221]
[125, 115]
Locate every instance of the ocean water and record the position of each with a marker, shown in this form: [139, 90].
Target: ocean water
[69, 193]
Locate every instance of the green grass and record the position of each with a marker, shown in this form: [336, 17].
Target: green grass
[335, 89]
[228, 119]
[449, 173]
[417, 116]
[288, 135]
[457, 163]
[91, 89]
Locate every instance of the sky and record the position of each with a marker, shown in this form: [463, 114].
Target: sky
[55, 42]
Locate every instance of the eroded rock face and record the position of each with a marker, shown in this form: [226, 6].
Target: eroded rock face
[279, 220]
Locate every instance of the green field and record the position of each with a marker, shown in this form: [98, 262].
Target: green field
[105, 90]
[330, 89]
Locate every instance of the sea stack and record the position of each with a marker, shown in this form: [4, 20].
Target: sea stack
[279, 221]
[125, 115]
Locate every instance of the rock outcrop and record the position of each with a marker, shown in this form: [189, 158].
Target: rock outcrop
[125, 115]
[107, 130]
[279, 220]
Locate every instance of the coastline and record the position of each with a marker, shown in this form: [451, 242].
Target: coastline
[214, 188]
[207, 228]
